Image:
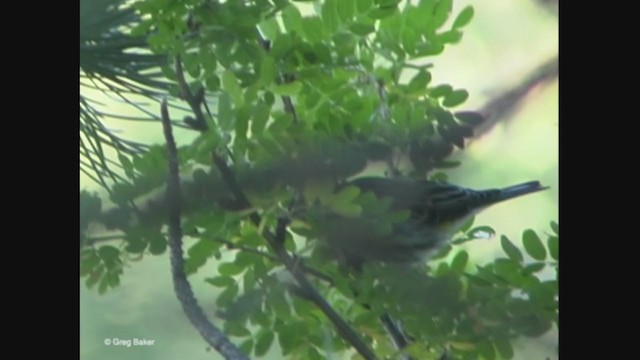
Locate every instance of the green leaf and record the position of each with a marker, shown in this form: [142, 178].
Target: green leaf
[110, 255]
[464, 17]
[441, 90]
[113, 279]
[242, 121]
[507, 268]
[237, 329]
[348, 194]
[533, 245]
[409, 39]
[503, 345]
[94, 277]
[441, 13]
[230, 269]
[231, 85]
[510, 249]
[330, 16]
[157, 244]
[288, 337]
[459, 262]
[314, 354]
[135, 244]
[450, 37]
[288, 89]
[346, 10]
[212, 82]
[486, 349]
[430, 48]
[191, 64]
[419, 82]
[220, 281]
[555, 227]
[278, 302]
[270, 28]
[208, 60]
[89, 261]
[346, 209]
[533, 268]
[104, 285]
[228, 296]
[552, 244]
[381, 13]
[263, 342]
[313, 29]
[225, 112]
[364, 5]
[261, 114]
[362, 29]
[199, 253]
[247, 345]
[455, 98]
[292, 20]
[268, 71]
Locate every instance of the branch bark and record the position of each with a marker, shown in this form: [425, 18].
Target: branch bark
[209, 332]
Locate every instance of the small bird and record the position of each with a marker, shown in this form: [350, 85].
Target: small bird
[436, 211]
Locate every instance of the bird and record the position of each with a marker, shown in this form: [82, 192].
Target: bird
[429, 215]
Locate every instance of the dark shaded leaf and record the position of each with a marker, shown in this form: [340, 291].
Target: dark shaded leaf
[470, 117]
[510, 249]
[455, 98]
[533, 245]
[419, 82]
[264, 339]
[221, 281]
[554, 246]
[486, 349]
[459, 262]
[230, 269]
[504, 347]
[533, 268]
[157, 244]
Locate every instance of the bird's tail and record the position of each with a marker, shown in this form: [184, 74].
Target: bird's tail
[520, 189]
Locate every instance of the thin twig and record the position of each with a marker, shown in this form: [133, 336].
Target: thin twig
[194, 101]
[211, 334]
[311, 271]
[395, 333]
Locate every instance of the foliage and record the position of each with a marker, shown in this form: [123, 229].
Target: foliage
[303, 102]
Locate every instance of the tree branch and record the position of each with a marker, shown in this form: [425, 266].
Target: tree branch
[276, 243]
[211, 334]
[194, 101]
[311, 271]
[505, 104]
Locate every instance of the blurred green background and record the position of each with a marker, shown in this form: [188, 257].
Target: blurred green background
[506, 40]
